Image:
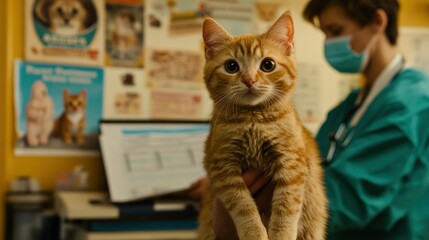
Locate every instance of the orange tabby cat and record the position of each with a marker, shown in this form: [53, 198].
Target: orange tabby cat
[71, 123]
[254, 125]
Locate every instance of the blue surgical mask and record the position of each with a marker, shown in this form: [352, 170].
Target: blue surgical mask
[340, 55]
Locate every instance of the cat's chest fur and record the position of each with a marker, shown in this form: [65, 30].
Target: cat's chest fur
[258, 142]
[74, 119]
[254, 145]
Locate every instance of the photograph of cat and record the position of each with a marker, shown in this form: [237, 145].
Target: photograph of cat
[254, 124]
[39, 115]
[124, 34]
[66, 17]
[70, 126]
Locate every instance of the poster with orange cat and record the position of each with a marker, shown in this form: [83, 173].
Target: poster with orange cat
[124, 33]
[65, 31]
[58, 108]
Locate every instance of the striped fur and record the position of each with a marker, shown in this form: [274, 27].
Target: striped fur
[260, 130]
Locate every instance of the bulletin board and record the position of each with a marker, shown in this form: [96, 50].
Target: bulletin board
[132, 60]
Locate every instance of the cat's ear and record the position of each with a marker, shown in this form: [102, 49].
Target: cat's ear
[83, 93]
[214, 36]
[66, 93]
[283, 31]
[40, 11]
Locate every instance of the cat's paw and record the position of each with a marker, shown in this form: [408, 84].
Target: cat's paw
[254, 234]
[283, 235]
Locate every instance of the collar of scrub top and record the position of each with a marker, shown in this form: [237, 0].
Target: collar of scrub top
[339, 139]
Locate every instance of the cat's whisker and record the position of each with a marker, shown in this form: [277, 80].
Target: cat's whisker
[230, 104]
[283, 104]
[277, 97]
[222, 102]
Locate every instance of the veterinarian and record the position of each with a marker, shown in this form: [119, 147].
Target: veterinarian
[374, 144]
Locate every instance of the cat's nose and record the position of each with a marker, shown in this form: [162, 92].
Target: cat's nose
[249, 82]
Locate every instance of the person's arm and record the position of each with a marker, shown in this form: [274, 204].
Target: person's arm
[377, 182]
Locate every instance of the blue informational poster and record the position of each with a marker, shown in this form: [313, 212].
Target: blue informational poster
[58, 107]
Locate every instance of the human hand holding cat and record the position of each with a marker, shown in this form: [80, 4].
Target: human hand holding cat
[261, 188]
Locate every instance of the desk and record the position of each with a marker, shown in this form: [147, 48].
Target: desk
[75, 207]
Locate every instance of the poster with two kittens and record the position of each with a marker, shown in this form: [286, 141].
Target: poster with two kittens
[66, 31]
[58, 108]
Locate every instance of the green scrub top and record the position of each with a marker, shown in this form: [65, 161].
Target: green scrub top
[378, 185]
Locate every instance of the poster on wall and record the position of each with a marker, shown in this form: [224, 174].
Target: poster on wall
[307, 94]
[237, 17]
[177, 104]
[175, 68]
[266, 14]
[174, 48]
[69, 32]
[125, 95]
[58, 108]
[124, 33]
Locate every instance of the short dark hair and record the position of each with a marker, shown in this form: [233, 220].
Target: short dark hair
[361, 11]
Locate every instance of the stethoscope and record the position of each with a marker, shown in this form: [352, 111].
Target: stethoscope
[340, 138]
[345, 132]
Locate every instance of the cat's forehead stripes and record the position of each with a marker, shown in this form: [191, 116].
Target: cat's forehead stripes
[248, 46]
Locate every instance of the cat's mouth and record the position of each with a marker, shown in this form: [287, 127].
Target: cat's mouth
[251, 92]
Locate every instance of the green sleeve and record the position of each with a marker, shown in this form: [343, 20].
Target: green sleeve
[376, 179]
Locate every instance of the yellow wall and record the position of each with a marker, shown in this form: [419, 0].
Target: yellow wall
[46, 169]
[3, 137]
[414, 13]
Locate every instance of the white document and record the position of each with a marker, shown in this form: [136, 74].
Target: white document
[150, 159]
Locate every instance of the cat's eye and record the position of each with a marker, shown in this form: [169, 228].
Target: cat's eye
[60, 11]
[268, 65]
[231, 66]
[74, 12]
